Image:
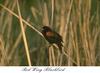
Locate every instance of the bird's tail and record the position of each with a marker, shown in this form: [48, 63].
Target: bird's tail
[60, 47]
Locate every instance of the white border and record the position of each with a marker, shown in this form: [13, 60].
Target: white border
[19, 69]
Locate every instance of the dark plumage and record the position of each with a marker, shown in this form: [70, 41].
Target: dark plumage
[52, 37]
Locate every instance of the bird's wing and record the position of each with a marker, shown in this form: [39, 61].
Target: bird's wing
[57, 36]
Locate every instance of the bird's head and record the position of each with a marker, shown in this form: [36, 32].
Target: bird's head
[46, 29]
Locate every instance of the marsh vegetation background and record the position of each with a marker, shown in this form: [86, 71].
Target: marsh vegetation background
[77, 21]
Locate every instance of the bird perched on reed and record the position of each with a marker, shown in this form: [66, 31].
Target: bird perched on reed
[52, 37]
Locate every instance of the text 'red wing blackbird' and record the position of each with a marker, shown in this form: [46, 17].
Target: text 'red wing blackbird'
[52, 37]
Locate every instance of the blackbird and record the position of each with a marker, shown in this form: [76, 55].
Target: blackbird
[52, 37]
